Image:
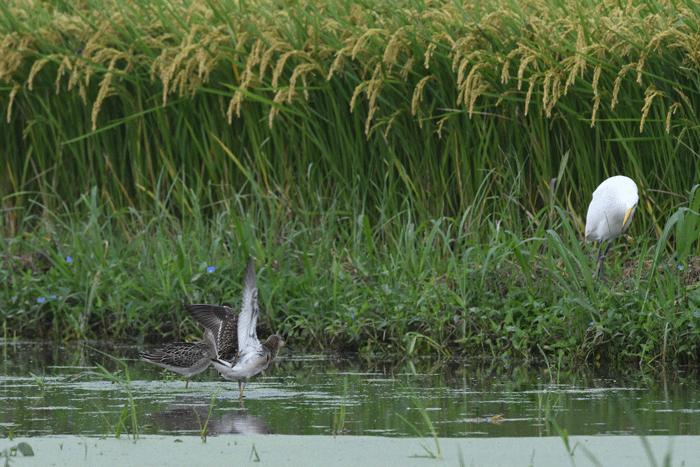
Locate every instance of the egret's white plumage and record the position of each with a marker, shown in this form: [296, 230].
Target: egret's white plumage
[610, 212]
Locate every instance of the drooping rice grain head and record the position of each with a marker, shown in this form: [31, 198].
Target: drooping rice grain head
[15, 89]
[650, 94]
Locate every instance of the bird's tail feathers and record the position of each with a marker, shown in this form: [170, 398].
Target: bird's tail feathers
[221, 362]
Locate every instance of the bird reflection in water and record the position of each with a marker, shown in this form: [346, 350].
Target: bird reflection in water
[188, 418]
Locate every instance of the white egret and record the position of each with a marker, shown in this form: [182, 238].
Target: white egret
[610, 213]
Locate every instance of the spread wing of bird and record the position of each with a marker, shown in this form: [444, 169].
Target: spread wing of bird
[248, 318]
[222, 323]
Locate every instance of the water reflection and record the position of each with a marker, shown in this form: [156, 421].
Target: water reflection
[306, 395]
[197, 418]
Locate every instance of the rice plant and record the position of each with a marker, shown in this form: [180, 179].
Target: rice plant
[414, 174]
[425, 98]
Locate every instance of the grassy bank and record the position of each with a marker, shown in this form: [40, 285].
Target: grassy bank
[338, 281]
[411, 176]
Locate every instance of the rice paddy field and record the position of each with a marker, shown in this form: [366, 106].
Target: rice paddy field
[412, 177]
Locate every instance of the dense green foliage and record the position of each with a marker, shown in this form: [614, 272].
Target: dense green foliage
[412, 176]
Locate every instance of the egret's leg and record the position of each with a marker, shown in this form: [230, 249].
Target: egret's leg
[601, 258]
[241, 386]
[187, 381]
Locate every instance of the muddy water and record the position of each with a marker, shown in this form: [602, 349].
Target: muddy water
[306, 395]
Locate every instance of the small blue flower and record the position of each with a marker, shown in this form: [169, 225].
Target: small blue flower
[352, 315]
[210, 269]
[680, 267]
[591, 323]
[696, 313]
[68, 258]
[42, 300]
[53, 296]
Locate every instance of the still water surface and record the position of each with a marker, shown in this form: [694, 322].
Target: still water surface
[305, 395]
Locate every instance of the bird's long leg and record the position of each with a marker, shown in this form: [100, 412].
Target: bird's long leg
[241, 386]
[601, 258]
[187, 381]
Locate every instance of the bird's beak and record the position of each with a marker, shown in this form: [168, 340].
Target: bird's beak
[628, 215]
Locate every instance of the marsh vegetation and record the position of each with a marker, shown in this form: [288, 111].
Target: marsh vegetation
[411, 176]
